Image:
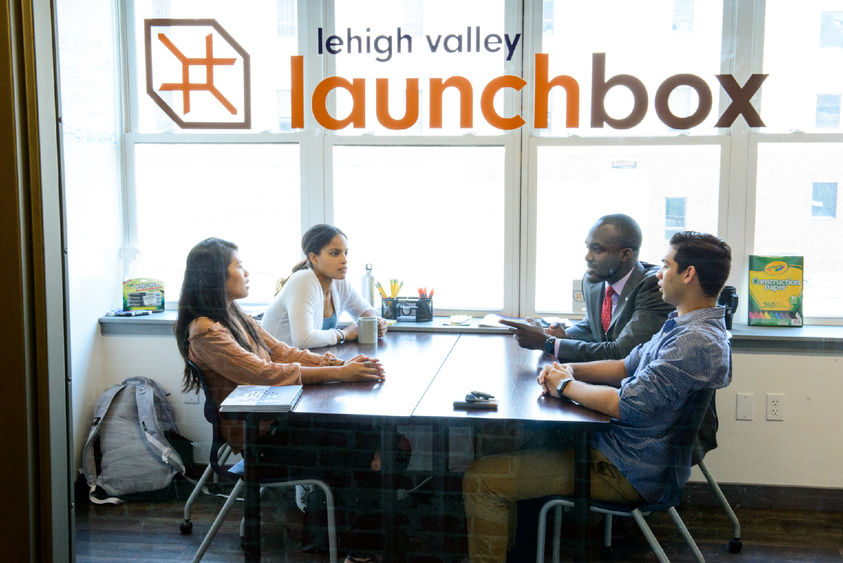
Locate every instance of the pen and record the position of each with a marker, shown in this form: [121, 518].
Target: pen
[400, 285]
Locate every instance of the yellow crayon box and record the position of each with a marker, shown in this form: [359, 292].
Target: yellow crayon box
[143, 294]
[775, 290]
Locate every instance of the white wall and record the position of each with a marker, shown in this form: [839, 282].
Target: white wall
[798, 451]
[89, 105]
[803, 450]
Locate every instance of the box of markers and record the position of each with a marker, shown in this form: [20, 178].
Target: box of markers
[775, 290]
[143, 294]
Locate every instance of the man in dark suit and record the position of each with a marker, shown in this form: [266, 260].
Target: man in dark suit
[635, 313]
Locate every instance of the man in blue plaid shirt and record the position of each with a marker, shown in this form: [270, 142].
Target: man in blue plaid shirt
[644, 394]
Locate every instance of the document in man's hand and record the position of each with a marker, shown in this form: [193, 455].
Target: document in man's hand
[262, 398]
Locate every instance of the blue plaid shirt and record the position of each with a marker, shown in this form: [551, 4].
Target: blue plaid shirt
[689, 353]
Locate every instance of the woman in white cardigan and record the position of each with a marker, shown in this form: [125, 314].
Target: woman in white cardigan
[305, 311]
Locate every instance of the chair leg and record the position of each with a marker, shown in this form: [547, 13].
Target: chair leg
[212, 531]
[332, 525]
[607, 530]
[651, 538]
[557, 533]
[685, 533]
[558, 504]
[329, 508]
[187, 526]
[735, 543]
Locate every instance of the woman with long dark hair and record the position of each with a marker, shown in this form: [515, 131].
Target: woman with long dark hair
[311, 299]
[232, 349]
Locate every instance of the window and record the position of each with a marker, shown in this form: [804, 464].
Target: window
[828, 111]
[831, 29]
[634, 42]
[797, 167]
[683, 15]
[634, 166]
[796, 46]
[824, 200]
[245, 193]
[430, 216]
[454, 41]
[674, 216]
[447, 165]
[286, 17]
[783, 225]
[577, 185]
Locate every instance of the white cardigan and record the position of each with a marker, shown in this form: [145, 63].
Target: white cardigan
[295, 316]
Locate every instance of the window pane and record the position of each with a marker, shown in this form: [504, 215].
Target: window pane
[577, 185]
[785, 222]
[429, 216]
[248, 194]
[824, 200]
[828, 111]
[265, 29]
[648, 40]
[422, 39]
[800, 49]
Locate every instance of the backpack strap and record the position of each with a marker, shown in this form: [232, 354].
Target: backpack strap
[166, 415]
[145, 398]
[104, 500]
[89, 464]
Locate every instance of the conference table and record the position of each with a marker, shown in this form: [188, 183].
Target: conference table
[425, 373]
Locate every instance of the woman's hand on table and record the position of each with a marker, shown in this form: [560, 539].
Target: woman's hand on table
[362, 368]
[350, 332]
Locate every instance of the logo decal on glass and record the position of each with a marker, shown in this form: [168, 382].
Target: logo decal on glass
[197, 74]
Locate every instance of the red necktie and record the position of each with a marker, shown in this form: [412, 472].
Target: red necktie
[606, 312]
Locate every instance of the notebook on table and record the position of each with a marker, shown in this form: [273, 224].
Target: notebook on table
[262, 398]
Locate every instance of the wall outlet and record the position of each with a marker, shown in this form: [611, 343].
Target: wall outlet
[743, 408]
[775, 406]
[191, 398]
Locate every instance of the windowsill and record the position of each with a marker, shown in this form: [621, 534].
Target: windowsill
[807, 339]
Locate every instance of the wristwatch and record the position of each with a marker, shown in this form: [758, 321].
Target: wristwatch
[341, 336]
[549, 345]
[561, 386]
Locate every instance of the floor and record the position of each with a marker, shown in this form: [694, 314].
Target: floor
[150, 532]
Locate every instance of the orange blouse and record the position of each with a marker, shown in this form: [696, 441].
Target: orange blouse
[225, 365]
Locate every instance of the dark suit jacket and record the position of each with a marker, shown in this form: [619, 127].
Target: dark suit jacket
[640, 313]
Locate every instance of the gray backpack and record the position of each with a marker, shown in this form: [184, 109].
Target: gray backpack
[127, 451]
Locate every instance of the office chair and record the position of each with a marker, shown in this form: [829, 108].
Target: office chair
[683, 441]
[212, 415]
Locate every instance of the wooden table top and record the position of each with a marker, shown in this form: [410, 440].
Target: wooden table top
[496, 364]
[427, 372]
[411, 361]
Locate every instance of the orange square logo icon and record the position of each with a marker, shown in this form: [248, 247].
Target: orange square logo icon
[197, 73]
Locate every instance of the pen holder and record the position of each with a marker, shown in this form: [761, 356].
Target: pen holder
[416, 309]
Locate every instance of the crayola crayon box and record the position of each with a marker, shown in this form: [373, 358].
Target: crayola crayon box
[775, 290]
[143, 294]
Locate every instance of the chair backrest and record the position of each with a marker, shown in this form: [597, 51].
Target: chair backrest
[682, 442]
[212, 416]
[707, 436]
